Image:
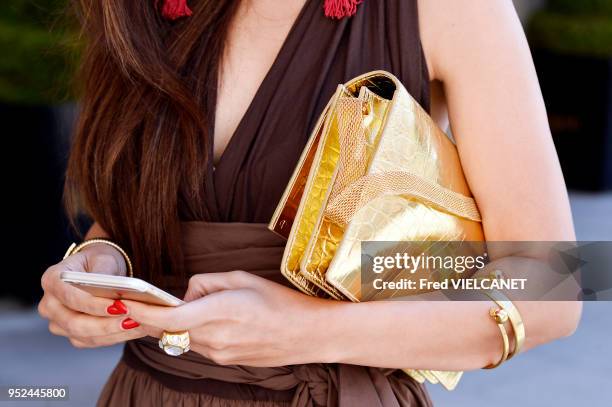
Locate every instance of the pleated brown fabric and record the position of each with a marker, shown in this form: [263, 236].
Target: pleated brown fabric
[146, 376]
[242, 193]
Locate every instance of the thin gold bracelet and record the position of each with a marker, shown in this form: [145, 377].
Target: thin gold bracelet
[513, 315]
[74, 248]
[500, 316]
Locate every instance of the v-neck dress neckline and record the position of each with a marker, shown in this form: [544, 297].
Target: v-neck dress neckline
[317, 54]
[232, 155]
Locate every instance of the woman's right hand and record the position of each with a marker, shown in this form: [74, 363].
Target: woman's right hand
[87, 321]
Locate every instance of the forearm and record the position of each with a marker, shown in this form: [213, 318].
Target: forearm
[439, 335]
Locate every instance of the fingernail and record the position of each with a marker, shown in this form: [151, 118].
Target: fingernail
[117, 308]
[120, 306]
[129, 323]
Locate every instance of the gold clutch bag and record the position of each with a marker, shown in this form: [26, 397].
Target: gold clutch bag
[376, 168]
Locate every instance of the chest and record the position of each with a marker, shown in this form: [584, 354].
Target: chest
[255, 37]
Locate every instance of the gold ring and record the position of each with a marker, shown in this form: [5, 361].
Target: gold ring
[174, 343]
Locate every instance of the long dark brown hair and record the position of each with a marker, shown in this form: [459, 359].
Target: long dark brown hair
[140, 151]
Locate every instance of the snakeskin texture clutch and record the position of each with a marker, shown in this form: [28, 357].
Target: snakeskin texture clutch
[376, 168]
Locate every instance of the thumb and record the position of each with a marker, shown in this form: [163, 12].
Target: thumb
[105, 263]
[208, 283]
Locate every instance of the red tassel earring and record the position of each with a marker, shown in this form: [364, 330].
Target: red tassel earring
[175, 9]
[341, 8]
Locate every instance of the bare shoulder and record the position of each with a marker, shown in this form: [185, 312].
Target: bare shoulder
[468, 32]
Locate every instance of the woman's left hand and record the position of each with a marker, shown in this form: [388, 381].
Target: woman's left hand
[237, 318]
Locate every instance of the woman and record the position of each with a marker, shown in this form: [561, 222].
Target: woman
[201, 116]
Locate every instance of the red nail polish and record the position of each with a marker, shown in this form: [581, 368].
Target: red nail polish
[117, 308]
[121, 306]
[111, 309]
[129, 323]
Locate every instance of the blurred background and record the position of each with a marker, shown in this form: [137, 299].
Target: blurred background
[572, 46]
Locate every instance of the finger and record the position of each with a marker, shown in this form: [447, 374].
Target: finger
[109, 340]
[43, 307]
[53, 310]
[61, 319]
[151, 331]
[79, 344]
[81, 301]
[104, 264]
[87, 326]
[57, 330]
[172, 319]
[105, 340]
[75, 298]
[76, 324]
[205, 284]
[152, 315]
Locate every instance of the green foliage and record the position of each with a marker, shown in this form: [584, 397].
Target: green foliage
[578, 27]
[33, 12]
[593, 7]
[39, 51]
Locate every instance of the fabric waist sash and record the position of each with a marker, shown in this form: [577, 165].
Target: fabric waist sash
[220, 247]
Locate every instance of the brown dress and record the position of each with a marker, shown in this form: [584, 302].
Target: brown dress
[242, 192]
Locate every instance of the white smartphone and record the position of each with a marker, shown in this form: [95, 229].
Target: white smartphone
[118, 287]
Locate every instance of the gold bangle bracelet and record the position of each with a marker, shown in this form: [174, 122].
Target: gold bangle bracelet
[500, 316]
[74, 248]
[513, 315]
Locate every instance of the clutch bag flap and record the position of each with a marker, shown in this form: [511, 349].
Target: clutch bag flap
[437, 204]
